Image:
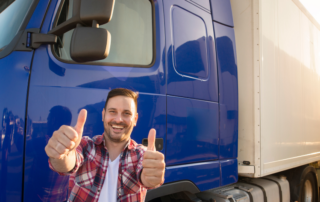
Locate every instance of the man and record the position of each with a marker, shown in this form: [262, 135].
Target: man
[109, 167]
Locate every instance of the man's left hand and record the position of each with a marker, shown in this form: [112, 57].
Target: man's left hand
[153, 164]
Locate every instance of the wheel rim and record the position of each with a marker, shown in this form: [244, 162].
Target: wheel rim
[308, 191]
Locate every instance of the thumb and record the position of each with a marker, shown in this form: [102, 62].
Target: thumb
[151, 140]
[82, 117]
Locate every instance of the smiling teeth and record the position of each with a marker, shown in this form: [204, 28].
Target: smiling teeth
[120, 127]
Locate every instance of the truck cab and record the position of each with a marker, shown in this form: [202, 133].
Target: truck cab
[168, 51]
[60, 56]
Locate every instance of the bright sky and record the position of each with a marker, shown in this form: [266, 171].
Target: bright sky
[313, 6]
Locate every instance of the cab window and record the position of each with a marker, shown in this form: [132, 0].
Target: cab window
[131, 30]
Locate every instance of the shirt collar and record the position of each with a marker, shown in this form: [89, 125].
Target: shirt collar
[131, 144]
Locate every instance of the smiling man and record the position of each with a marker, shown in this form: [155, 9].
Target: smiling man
[109, 167]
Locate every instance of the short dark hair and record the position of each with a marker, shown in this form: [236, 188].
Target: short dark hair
[123, 92]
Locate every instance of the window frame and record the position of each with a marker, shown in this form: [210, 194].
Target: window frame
[57, 15]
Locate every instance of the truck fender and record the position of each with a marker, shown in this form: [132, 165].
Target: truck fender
[172, 188]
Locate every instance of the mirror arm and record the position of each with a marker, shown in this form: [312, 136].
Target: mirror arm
[70, 23]
[65, 26]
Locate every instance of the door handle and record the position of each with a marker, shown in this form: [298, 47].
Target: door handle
[158, 143]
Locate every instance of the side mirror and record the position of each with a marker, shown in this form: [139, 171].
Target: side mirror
[89, 44]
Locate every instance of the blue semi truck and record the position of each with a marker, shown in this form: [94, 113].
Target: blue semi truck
[212, 114]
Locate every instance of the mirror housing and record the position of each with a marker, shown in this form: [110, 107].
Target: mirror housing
[89, 44]
[99, 10]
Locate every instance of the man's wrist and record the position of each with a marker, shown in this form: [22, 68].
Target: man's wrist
[64, 165]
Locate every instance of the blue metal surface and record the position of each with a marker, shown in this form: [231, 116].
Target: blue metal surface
[229, 171]
[190, 57]
[228, 90]
[221, 12]
[58, 89]
[192, 131]
[13, 93]
[204, 175]
[190, 49]
[38, 14]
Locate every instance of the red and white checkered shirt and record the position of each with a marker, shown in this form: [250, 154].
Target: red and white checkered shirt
[87, 177]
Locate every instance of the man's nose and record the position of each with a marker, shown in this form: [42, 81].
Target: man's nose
[118, 118]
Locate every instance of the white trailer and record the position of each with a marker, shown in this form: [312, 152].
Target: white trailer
[278, 53]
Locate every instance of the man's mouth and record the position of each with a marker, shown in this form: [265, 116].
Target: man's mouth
[117, 128]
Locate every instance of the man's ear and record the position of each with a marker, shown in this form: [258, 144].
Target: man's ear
[135, 119]
[103, 112]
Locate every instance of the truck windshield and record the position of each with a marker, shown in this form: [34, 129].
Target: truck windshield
[12, 14]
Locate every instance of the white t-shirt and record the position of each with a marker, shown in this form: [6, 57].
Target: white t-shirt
[109, 189]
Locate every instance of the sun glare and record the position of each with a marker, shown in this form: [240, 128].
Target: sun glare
[313, 6]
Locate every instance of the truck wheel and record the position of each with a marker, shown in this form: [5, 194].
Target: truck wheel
[303, 184]
[308, 191]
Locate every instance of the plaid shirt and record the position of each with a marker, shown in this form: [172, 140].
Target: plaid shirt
[88, 175]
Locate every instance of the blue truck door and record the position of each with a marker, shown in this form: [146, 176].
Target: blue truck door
[15, 63]
[13, 85]
[192, 94]
[60, 88]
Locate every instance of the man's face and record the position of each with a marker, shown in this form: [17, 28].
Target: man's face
[119, 117]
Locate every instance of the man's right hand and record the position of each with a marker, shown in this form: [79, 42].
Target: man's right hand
[66, 139]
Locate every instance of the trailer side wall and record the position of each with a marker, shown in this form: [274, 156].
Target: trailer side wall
[278, 49]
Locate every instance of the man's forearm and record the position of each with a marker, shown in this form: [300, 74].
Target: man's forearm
[65, 164]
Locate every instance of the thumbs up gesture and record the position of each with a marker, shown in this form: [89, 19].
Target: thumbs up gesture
[65, 140]
[153, 164]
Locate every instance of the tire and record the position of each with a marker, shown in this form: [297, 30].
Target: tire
[303, 184]
[308, 189]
